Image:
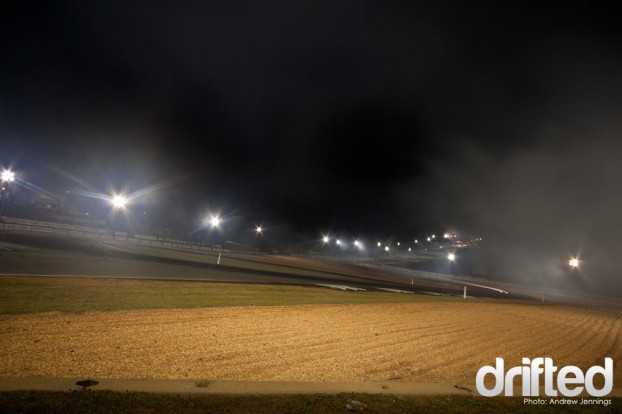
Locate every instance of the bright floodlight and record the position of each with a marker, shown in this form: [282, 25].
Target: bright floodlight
[338, 242]
[119, 201]
[429, 239]
[8, 176]
[386, 248]
[379, 244]
[356, 243]
[214, 221]
[258, 229]
[326, 239]
[451, 257]
[574, 262]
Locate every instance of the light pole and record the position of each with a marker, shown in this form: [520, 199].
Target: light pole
[7, 178]
[258, 233]
[325, 241]
[451, 257]
[358, 247]
[214, 222]
[119, 205]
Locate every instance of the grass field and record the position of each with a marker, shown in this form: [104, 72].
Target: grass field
[41, 294]
[96, 402]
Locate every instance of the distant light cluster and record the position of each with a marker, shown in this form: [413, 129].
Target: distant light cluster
[121, 202]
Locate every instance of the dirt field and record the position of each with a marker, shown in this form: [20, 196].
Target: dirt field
[414, 342]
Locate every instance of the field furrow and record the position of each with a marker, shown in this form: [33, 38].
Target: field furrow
[430, 342]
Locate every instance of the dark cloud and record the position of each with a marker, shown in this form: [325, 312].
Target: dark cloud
[321, 113]
[540, 204]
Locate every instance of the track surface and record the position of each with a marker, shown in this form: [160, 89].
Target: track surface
[56, 255]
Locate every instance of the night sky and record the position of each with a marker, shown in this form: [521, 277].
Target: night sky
[384, 118]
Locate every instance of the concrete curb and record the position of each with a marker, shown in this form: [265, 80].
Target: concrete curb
[170, 386]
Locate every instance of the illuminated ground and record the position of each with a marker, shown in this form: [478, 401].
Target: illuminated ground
[408, 342]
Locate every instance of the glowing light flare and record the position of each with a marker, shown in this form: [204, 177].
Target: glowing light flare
[573, 262]
[258, 229]
[119, 201]
[8, 176]
[325, 239]
[451, 257]
[214, 221]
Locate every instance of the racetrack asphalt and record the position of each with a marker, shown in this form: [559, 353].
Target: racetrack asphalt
[36, 254]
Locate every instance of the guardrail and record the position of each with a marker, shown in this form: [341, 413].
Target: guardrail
[100, 234]
[409, 273]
